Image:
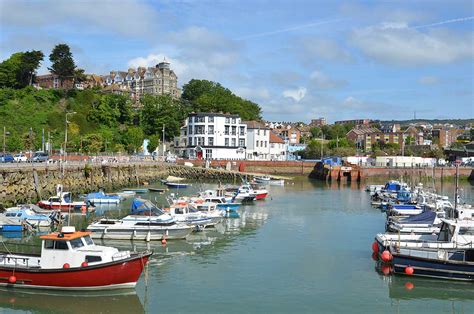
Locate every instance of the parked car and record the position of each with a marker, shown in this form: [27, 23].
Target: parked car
[6, 158]
[39, 157]
[20, 158]
[171, 159]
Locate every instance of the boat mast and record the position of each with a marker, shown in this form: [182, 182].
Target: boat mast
[456, 188]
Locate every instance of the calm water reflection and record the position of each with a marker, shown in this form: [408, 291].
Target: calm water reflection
[305, 249]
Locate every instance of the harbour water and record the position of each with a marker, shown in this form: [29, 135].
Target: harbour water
[306, 249]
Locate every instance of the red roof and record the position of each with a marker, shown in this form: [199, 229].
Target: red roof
[276, 139]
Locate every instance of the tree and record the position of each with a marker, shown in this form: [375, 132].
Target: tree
[9, 70]
[92, 143]
[62, 62]
[153, 142]
[79, 76]
[161, 110]
[134, 139]
[30, 62]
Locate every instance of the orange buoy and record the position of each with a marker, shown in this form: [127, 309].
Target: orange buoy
[409, 286]
[375, 247]
[386, 256]
[85, 264]
[163, 241]
[409, 270]
[66, 265]
[12, 279]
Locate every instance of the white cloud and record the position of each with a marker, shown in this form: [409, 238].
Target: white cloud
[127, 17]
[399, 45]
[321, 81]
[428, 80]
[296, 94]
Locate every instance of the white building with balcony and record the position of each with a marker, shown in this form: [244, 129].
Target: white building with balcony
[212, 136]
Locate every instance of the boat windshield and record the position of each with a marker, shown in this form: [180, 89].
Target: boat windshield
[88, 240]
[76, 243]
[446, 233]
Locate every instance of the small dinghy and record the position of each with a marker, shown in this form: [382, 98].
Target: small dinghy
[176, 185]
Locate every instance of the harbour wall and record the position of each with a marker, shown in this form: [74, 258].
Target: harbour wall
[370, 173]
[28, 184]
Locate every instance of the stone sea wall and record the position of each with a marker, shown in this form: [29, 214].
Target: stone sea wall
[29, 184]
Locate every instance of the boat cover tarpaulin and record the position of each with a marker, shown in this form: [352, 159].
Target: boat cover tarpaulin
[427, 217]
[392, 186]
[144, 207]
[101, 195]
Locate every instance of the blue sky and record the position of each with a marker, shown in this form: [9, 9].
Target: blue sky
[298, 59]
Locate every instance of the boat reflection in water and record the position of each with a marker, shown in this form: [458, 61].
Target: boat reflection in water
[125, 301]
[413, 288]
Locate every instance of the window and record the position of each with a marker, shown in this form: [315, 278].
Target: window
[199, 119]
[242, 130]
[76, 243]
[226, 132]
[190, 129]
[234, 130]
[264, 132]
[88, 240]
[266, 143]
[241, 142]
[190, 140]
[200, 141]
[233, 142]
[49, 244]
[210, 141]
[258, 132]
[210, 119]
[93, 259]
[208, 153]
[199, 129]
[227, 120]
[191, 119]
[256, 144]
[60, 245]
[226, 141]
[211, 129]
[233, 120]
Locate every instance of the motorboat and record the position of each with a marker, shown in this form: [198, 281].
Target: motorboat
[145, 222]
[210, 210]
[184, 213]
[260, 193]
[176, 185]
[268, 180]
[70, 260]
[24, 214]
[427, 222]
[63, 201]
[98, 198]
[10, 225]
[135, 191]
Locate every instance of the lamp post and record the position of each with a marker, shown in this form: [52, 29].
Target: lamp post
[65, 139]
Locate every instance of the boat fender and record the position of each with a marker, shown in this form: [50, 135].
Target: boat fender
[409, 270]
[12, 279]
[84, 264]
[386, 256]
[375, 247]
[163, 241]
[66, 265]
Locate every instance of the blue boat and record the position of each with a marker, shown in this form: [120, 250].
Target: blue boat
[100, 197]
[25, 214]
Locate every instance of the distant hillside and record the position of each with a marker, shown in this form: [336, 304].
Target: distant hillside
[432, 121]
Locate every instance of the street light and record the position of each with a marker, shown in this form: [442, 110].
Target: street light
[65, 139]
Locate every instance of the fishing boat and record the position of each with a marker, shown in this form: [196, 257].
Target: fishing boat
[176, 185]
[98, 198]
[428, 222]
[70, 260]
[145, 222]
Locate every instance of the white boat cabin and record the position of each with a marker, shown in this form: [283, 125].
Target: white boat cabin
[74, 248]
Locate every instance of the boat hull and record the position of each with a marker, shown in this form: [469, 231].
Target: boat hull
[139, 234]
[261, 196]
[114, 275]
[434, 268]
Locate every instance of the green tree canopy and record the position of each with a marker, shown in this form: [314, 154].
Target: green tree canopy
[62, 62]
[207, 96]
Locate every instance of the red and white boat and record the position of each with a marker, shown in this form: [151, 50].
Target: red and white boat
[259, 193]
[70, 260]
[63, 202]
